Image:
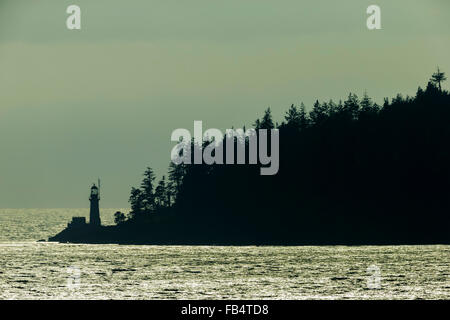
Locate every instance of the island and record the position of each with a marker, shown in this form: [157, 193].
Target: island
[350, 173]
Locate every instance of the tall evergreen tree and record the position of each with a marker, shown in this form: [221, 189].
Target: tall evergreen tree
[147, 189]
[176, 176]
[292, 117]
[318, 113]
[438, 77]
[267, 122]
[136, 202]
[351, 106]
[161, 193]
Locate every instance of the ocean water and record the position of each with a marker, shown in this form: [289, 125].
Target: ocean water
[36, 224]
[39, 270]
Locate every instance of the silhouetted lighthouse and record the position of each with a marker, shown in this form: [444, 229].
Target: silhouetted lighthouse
[94, 215]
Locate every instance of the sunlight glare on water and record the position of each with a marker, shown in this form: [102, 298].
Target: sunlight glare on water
[39, 270]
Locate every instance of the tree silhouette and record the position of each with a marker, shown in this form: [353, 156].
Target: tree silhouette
[319, 113]
[176, 175]
[351, 106]
[136, 202]
[161, 193]
[292, 116]
[351, 172]
[267, 122]
[119, 217]
[147, 189]
[438, 77]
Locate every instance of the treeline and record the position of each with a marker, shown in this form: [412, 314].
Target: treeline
[350, 172]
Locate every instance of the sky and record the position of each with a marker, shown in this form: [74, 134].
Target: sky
[103, 101]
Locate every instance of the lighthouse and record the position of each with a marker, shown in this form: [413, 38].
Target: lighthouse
[94, 214]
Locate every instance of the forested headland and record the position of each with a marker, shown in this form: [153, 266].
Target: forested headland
[351, 172]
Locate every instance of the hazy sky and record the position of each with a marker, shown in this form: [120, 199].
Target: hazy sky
[102, 101]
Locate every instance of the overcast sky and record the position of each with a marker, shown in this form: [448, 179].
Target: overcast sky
[102, 101]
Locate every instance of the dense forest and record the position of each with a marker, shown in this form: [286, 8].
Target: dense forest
[351, 172]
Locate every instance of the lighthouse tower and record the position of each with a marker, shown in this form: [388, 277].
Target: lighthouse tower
[94, 215]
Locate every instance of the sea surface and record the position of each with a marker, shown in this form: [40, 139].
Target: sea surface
[40, 270]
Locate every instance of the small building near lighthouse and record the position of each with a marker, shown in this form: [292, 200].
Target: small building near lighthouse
[77, 222]
[94, 211]
[79, 230]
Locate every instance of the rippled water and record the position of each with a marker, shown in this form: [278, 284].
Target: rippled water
[37, 270]
[36, 224]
